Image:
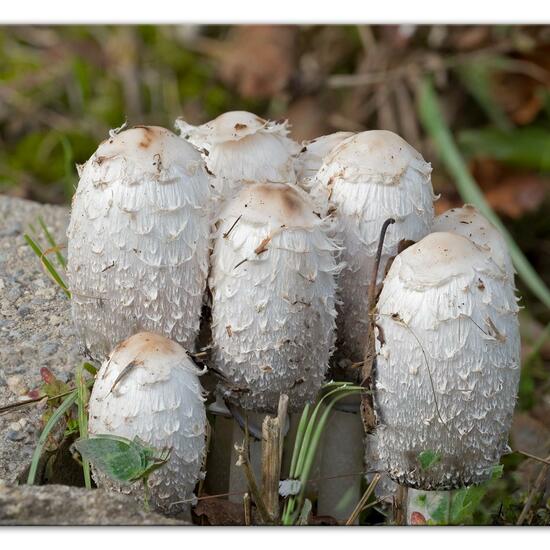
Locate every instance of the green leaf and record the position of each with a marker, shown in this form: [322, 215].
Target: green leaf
[523, 147]
[121, 459]
[428, 459]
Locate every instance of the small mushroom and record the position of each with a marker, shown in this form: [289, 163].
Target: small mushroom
[273, 298]
[470, 223]
[149, 388]
[138, 240]
[365, 180]
[448, 366]
[240, 148]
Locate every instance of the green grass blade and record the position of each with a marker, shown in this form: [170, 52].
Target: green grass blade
[298, 441]
[67, 403]
[47, 264]
[436, 127]
[82, 401]
[49, 237]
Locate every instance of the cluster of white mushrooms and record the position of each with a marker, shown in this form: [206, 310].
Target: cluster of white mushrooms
[279, 240]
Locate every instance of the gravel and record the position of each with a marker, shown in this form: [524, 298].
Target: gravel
[35, 327]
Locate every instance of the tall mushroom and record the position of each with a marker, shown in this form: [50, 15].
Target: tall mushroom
[448, 363]
[149, 388]
[240, 147]
[273, 298]
[367, 179]
[139, 240]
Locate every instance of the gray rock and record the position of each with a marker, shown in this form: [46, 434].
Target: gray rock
[63, 505]
[35, 324]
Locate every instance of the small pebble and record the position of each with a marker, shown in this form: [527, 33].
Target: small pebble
[15, 436]
[23, 311]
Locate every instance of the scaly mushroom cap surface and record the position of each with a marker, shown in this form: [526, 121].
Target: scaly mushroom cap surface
[470, 223]
[311, 157]
[365, 180]
[242, 148]
[149, 388]
[138, 240]
[448, 363]
[273, 298]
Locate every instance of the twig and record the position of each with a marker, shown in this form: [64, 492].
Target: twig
[367, 412]
[361, 504]
[537, 488]
[244, 462]
[537, 458]
[225, 235]
[247, 509]
[282, 412]
[271, 466]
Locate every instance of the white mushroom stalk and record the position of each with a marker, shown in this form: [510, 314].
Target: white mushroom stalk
[367, 179]
[470, 223]
[273, 288]
[149, 388]
[448, 364]
[242, 148]
[310, 158]
[138, 240]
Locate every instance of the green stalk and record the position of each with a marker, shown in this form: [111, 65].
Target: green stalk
[436, 127]
[49, 237]
[299, 438]
[67, 403]
[47, 264]
[82, 402]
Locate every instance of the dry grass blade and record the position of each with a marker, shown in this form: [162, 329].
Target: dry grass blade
[364, 499]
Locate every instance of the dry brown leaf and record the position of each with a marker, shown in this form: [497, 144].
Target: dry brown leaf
[517, 194]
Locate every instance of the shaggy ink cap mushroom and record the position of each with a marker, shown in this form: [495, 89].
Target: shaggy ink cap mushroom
[448, 363]
[470, 223]
[149, 388]
[273, 298]
[139, 240]
[368, 178]
[241, 148]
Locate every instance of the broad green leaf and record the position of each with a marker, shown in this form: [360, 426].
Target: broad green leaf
[428, 459]
[119, 458]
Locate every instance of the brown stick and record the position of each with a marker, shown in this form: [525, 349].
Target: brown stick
[247, 509]
[271, 466]
[537, 488]
[281, 416]
[362, 503]
[400, 505]
[367, 409]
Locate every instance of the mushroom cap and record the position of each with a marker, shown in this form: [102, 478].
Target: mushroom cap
[470, 223]
[243, 148]
[230, 126]
[149, 388]
[273, 298]
[138, 240]
[312, 155]
[447, 368]
[365, 180]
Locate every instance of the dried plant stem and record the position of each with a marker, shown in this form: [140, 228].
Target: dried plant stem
[244, 462]
[364, 499]
[247, 509]
[537, 489]
[271, 466]
[367, 412]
